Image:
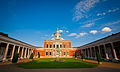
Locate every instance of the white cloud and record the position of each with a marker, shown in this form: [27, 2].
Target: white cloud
[72, 34]
[93, 31]
[52, 35]
[82, 8]
[67, 31]
[106, 29]
[61, 30]
[81, 34]
[108, 11]
[88, 25]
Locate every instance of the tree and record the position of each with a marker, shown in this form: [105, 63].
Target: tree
[83, 57]
[15, 58]
[31, 56]
[99, 58]
[75, 54]
[38, 54]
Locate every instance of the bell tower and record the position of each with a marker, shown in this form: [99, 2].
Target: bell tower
[57, 34]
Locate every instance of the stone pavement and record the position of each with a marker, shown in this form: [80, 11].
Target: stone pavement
[105, 67]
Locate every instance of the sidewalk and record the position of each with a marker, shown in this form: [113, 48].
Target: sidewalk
[104, 64]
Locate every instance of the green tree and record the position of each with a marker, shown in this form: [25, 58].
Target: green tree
[83, 57]
[31, 56]
[99, 58]
[15, 58]
[38, 54]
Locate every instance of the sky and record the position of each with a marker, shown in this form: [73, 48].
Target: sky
[81, 21]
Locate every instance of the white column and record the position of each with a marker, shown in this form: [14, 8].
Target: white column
[88, 53]
[18, 49]
[106, 54]
[25, 53]
[94, 52]
[28, 53]
[99, 49]
[6, 50]
[13, 49]
[114, 52]
[22, 53]
[91, 51]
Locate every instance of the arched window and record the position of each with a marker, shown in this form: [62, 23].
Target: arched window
[68, 53]
[60, 46]
[54, 46]
[57, 46]
[68, 45]
[50, 53]
[50, 46]
[64, 53]
[47, 46]
[46, 53]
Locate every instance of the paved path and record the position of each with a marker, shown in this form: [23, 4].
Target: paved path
[105, 67]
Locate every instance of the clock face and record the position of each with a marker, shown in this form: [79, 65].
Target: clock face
[57, 36]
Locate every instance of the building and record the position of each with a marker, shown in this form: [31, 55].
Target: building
[56, 47]
[8, 47]
[108, 47]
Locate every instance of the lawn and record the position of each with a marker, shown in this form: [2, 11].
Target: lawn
[47, 63]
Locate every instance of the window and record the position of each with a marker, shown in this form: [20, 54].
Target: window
[46, 53]
[68, 45]
[50, 46]
[64, 53]
[79, 53]
[47, 46]
[60, 46]
[64, 45]
[54, 46]
[57, 46]
[50, 53]
[67, 53]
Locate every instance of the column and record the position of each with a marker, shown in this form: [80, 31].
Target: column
[13, 49]
[6, 50]
[18, 49]
[88, 53]
[22, 53]
[99, 49]
[91, 52]
[25, 53]
[106, 54]
[94, 52]
[28, 53]
[114, 52]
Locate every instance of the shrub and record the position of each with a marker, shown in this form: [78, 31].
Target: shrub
[83, 56]
[15, 58]
[99, 58]
[75, 54]
[31, 56]
[38, 55]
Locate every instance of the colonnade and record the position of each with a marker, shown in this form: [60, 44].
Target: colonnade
[108, 51]
[7, 51]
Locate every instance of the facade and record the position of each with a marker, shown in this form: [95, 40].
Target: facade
[8, 47]
[56, 47]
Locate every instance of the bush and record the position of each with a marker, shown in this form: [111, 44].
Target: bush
[38, 55]
[99, 58]
[31, 56]
[15, 58]
[75, 54]
[83, 56]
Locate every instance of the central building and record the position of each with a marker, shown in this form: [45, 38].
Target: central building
[55, 47]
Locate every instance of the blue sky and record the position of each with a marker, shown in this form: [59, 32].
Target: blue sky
[81, 21]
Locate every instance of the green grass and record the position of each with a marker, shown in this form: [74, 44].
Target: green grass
[47, 63]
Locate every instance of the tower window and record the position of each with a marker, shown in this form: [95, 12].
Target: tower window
[64, 45]
[54, 46]
[50, 46]
[47, 46]
[57, 46]
[60, 46]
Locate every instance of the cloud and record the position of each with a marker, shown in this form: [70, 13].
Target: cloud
[67, 31]
[93, 31]
[108, 11]
[72, 34]
[61, 30]
[80, 34]
[88, 25]
[82, 8]
[106, 29]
